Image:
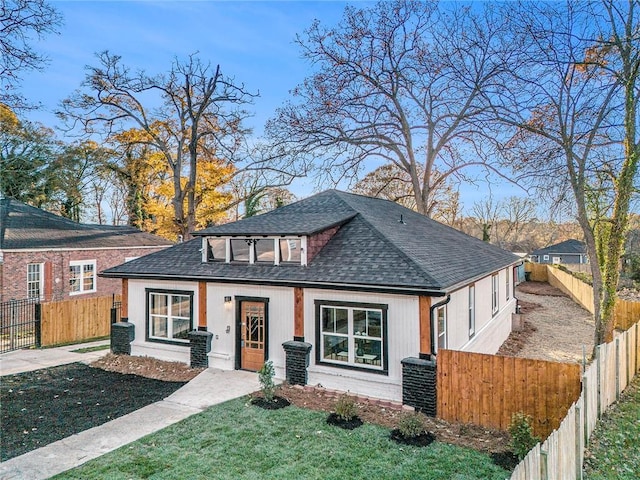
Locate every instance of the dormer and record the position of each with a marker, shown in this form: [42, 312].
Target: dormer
[255, 250]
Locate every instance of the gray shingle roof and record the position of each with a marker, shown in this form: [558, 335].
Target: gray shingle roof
[568, 246]
[372, 249]
[25, 227]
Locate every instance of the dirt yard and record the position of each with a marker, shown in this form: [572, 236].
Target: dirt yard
[556, 328]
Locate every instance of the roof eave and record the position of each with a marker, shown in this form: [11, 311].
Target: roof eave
[395, 289]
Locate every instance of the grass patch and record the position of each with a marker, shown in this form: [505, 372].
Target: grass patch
[237, 441]
[92, 349]
[614, 450]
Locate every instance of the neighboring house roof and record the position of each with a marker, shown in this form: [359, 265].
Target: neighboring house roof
[575, 247]
[23, 227]
[372, 249]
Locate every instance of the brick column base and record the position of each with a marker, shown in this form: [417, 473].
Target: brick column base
[297, 361]
[200, 346]
[419, 384]
[122, 334]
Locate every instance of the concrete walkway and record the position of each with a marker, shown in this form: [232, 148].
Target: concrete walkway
[28, 360]
[209, 388]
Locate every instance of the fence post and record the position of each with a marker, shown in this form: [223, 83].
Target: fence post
[598, 382]
[585, 407]
[579, 445]
[544, 469]
[617, 342]
[38, 324]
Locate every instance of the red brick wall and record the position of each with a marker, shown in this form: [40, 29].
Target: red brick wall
[13, 281]
[319, 240]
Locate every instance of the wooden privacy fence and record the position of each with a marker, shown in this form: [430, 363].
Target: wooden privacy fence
[487, 390]
[76, 320]
[537, 271]
[561, 456]
[626, 313]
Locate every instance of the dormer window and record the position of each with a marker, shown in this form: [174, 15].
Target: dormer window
[252, 250]
[290, 250]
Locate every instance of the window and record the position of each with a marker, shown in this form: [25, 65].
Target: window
[240, 249]
[34, 280]
[216, 250]
[170, 316]
[441, 315]
[557, 260]
[494, 294]
[508, 283]
[264, 250]
[82, 276]
[472, 310]
[351, 335]
[545, 257]
[290, 250]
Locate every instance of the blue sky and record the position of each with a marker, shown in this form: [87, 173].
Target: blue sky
[252, 41]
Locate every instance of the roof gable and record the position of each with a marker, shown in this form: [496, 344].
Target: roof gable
[25, 227]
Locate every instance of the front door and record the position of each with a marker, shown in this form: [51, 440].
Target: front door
[253, 325]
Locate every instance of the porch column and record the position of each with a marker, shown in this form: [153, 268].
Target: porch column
[425, 327]
[124, 302]
[298, 314]
[419, 385]
[297, 361]
[202, 306]
[122, 332]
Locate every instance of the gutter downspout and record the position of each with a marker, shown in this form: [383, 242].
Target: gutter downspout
[433, 322]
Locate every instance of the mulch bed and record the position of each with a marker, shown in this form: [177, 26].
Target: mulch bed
[44, 406]
[337, 421]
[507, 460]
[275, 404]
[423, 440]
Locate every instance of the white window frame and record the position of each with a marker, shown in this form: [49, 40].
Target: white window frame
[545, 257]
[495, 299]
[83, 264]
[277, 254]
[349, 361]
[39, 282]
[508, 283]
[169, 317]
[472, 310]
[556, 260]
[442, 331]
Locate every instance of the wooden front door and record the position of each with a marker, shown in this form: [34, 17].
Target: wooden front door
[253, 329]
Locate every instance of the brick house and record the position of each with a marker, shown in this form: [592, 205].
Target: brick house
[46, 256]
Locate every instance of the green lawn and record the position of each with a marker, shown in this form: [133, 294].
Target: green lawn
[615, 445]
[240, 441]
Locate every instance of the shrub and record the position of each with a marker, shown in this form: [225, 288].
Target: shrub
[265, 375]
[522, 438]
[411, 425]
[346, 408]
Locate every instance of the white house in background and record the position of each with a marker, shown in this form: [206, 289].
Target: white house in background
[365, 281]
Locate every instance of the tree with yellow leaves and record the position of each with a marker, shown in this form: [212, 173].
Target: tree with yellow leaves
[188, 117]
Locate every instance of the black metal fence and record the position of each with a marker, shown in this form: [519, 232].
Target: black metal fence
[116, 310]
[20, 324]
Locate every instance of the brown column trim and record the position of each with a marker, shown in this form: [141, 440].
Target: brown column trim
[425, 324]
[298, 313]
[124, 303]
[202, 305]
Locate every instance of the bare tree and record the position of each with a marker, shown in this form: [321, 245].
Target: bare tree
[191, 114]
[574, 80]
[20, 22]
[400, 82]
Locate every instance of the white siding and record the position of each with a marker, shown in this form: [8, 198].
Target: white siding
[220, 316]
[137, 316]
[403, 340]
